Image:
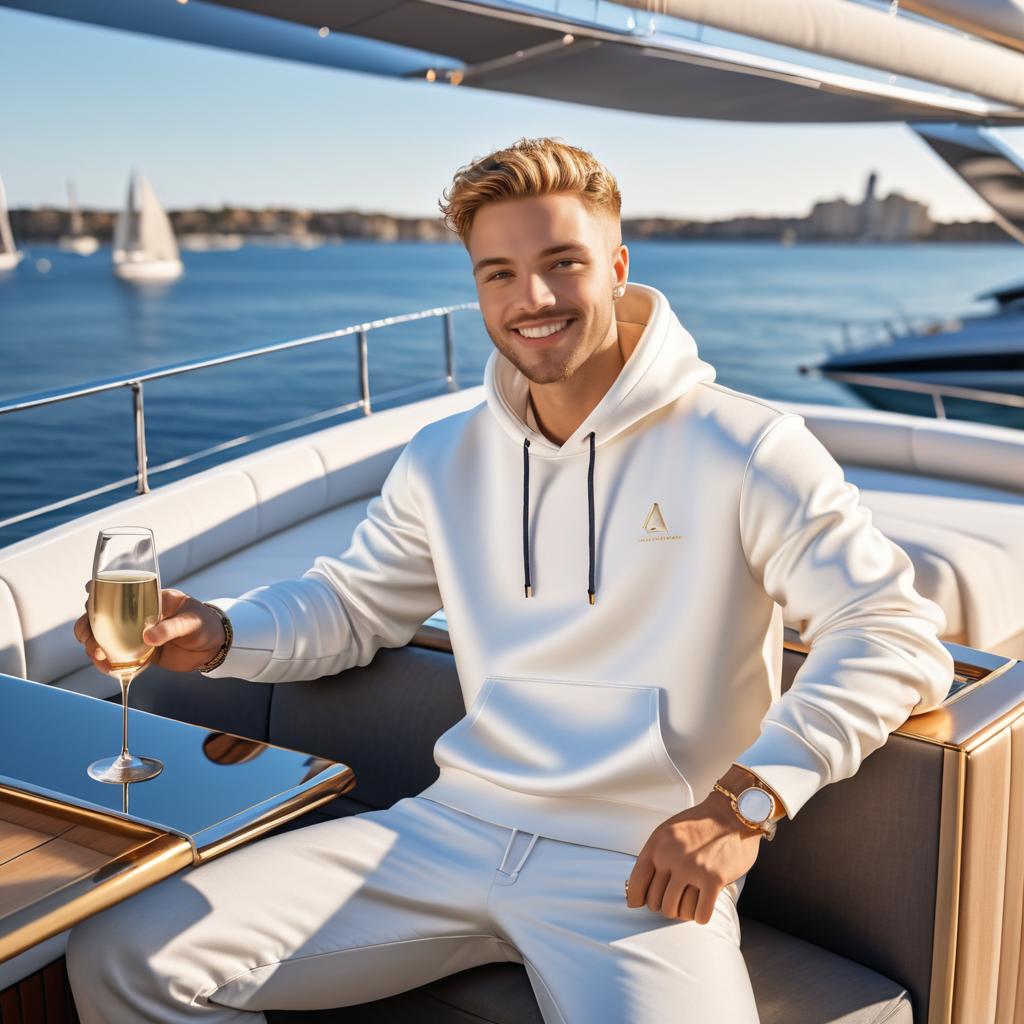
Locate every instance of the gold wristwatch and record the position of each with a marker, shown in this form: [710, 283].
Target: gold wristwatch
[754, 806]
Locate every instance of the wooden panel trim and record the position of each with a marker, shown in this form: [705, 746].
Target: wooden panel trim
[41, 998]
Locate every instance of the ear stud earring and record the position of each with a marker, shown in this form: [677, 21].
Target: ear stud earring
[619, 290]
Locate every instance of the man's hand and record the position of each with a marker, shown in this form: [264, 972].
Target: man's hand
[690, 858]
[188, 635]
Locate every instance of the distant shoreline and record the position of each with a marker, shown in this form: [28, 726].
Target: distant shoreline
[892, 220]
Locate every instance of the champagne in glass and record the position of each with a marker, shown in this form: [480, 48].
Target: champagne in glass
[124, 599]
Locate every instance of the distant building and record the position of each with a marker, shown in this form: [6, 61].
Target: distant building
[892, 219]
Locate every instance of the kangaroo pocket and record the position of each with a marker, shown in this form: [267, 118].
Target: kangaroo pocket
[568, 738]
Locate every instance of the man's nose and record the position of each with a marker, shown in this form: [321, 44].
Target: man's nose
[535, 296]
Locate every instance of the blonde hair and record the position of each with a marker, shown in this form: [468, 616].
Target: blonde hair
[529, 167]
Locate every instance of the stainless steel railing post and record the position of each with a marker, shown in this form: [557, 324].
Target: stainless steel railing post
[141, 478]
[364, 373]
[449, 351]
[137, 381]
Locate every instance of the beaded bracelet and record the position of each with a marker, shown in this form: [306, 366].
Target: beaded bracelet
[225, 647]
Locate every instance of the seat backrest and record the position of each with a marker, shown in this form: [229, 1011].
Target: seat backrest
[197, 521]
[951, 449]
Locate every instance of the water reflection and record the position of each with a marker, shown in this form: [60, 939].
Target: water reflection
[144, 305]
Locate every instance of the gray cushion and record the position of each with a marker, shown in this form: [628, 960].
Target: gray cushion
[382, 719]
[797, 982]
[794, 982]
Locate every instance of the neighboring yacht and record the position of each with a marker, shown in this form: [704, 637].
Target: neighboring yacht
[145, 249]
[983, 353]
[10, 255]
[76, 240]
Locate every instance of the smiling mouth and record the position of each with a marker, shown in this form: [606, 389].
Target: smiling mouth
[544, 338]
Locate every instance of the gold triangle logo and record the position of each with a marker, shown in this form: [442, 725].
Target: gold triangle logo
[655, 521]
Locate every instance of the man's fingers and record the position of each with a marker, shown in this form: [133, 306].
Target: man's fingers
[673, 895]
[96, 652]
[639, 879]
[706, 904]
[82, 630]
[171, 628]
[688, 902]
[656, 890]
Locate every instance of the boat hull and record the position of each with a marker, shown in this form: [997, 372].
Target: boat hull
[149, 270]
[81, 245]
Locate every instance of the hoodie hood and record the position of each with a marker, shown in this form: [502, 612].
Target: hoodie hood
[662, 367]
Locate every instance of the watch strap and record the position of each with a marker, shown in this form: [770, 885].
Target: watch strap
[767, 828]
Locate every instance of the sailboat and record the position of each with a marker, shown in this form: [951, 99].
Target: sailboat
[77, 241]
[10, 256]
[144, 245]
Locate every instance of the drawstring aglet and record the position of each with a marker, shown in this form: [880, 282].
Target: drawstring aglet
[529, 590]
[590, 594]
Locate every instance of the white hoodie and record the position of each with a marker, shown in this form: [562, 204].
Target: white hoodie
[695, 514]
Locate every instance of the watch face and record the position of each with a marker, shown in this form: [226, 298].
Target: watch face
[755, 804]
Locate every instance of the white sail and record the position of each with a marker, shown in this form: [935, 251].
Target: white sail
[156, 236]
[76, 225]
[6, 236]
[76, 240]
[144, 244]
[126, 232]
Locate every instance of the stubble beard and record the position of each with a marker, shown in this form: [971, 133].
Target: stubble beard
[543, 372]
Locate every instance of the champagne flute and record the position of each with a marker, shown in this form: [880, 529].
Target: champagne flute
[124, 599]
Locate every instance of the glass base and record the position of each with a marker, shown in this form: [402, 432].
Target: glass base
[125, 769]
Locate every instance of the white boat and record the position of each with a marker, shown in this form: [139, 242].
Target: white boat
[200, 241]
[948, 364]
[10, 255]
[76, 240]
[145, 249]
[952, 361]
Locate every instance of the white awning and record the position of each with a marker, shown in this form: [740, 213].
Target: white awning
[866, 36]
[531, 49]
[999, 20]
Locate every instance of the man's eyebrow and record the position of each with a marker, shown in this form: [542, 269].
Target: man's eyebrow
[550, 251]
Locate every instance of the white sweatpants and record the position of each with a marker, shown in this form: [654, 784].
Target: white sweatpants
[362, 907]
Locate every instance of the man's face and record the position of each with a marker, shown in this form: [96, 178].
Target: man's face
[520, 283]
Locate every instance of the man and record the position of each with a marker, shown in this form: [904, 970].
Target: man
[613, 537]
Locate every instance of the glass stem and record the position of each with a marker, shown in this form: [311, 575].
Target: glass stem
[125, 683]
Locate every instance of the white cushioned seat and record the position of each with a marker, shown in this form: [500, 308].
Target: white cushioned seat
[201, 521]
[967, 545]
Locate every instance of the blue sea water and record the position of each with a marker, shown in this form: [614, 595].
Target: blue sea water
[757, 310]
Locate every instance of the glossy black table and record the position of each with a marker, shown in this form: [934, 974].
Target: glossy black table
[70, 846]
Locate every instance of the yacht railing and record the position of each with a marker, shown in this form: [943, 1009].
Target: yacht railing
[855, 335]
[937, 391]
[135, 383]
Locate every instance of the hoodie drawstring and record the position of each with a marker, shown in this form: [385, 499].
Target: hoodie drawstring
[526, 516]
[591, 592]
[591, 531]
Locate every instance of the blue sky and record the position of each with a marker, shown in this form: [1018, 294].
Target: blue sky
[208, 126]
